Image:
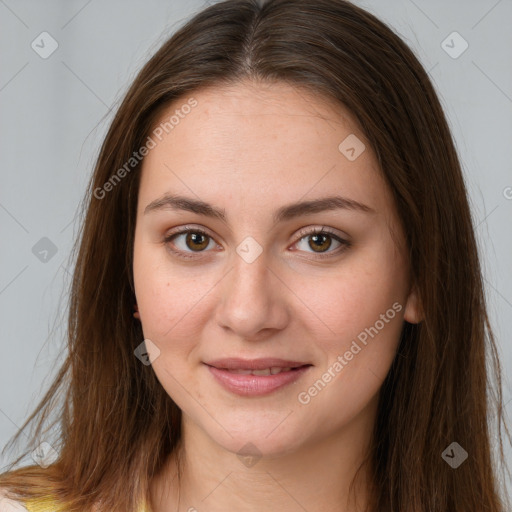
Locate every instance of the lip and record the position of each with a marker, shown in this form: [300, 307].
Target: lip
[257, 385]
[236, 363]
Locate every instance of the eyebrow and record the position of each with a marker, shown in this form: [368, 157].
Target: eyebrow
[290, 211]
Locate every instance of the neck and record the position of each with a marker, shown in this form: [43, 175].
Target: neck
[317, 477]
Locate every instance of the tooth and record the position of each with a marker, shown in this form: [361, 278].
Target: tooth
[277, 369]
[266, 371]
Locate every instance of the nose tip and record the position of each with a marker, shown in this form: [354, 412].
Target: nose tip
[249, 305]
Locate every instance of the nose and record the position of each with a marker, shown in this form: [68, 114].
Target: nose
[253, 299]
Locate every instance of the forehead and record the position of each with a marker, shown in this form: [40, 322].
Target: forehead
[251, 139]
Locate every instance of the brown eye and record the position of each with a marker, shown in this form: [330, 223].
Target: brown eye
[188, 241]
[320, 242]
[196, 240]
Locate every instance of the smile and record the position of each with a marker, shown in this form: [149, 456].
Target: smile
[251, 382]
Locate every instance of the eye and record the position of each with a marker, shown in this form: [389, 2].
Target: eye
[320, 241]
[197, 240]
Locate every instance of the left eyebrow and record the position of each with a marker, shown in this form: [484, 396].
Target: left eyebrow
[175, 202]
[320, 205]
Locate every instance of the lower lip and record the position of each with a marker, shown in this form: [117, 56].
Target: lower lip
[255, 385]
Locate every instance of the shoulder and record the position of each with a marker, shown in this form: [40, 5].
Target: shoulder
[32, 505]
[9, 505]
[36, 505]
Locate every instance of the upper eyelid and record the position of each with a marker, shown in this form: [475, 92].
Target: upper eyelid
[302, 233]
[189, 229]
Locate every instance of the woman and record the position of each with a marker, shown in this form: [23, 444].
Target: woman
[273, 376]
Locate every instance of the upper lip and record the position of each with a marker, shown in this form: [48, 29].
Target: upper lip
[235, 363]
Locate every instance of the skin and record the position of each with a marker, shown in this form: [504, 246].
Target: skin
[251, 148]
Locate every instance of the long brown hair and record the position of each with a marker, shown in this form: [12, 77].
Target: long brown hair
[118, 425]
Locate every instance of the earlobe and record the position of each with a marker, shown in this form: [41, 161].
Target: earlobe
[413, 311]
[136, 312]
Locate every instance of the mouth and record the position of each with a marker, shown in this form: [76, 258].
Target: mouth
[261, 366]
[257, 376]
[272, 370]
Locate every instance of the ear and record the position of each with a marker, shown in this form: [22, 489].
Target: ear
[413, 311]
[136, 312]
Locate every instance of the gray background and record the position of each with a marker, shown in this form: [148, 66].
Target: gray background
[55, 111]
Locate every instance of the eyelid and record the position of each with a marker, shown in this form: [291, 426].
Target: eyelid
[302, 233]
[323, 229]
[186, 227]
[183, 230]
[309, 231]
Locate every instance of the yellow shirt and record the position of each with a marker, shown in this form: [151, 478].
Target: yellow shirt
[48, 505]
[41, 505]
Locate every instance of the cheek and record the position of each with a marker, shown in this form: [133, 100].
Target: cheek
[353, 298]
[169, 309]
[363, 307]
[163, 298]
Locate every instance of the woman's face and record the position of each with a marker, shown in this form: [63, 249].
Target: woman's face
[253, 166]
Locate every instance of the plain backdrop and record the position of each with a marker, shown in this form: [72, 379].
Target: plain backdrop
[55, 110]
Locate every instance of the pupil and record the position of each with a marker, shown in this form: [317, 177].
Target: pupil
[195, 237]
[316, 239]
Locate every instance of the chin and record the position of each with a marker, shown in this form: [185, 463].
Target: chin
[259, 440]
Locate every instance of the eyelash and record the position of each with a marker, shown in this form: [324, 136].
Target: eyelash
[302, 234]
